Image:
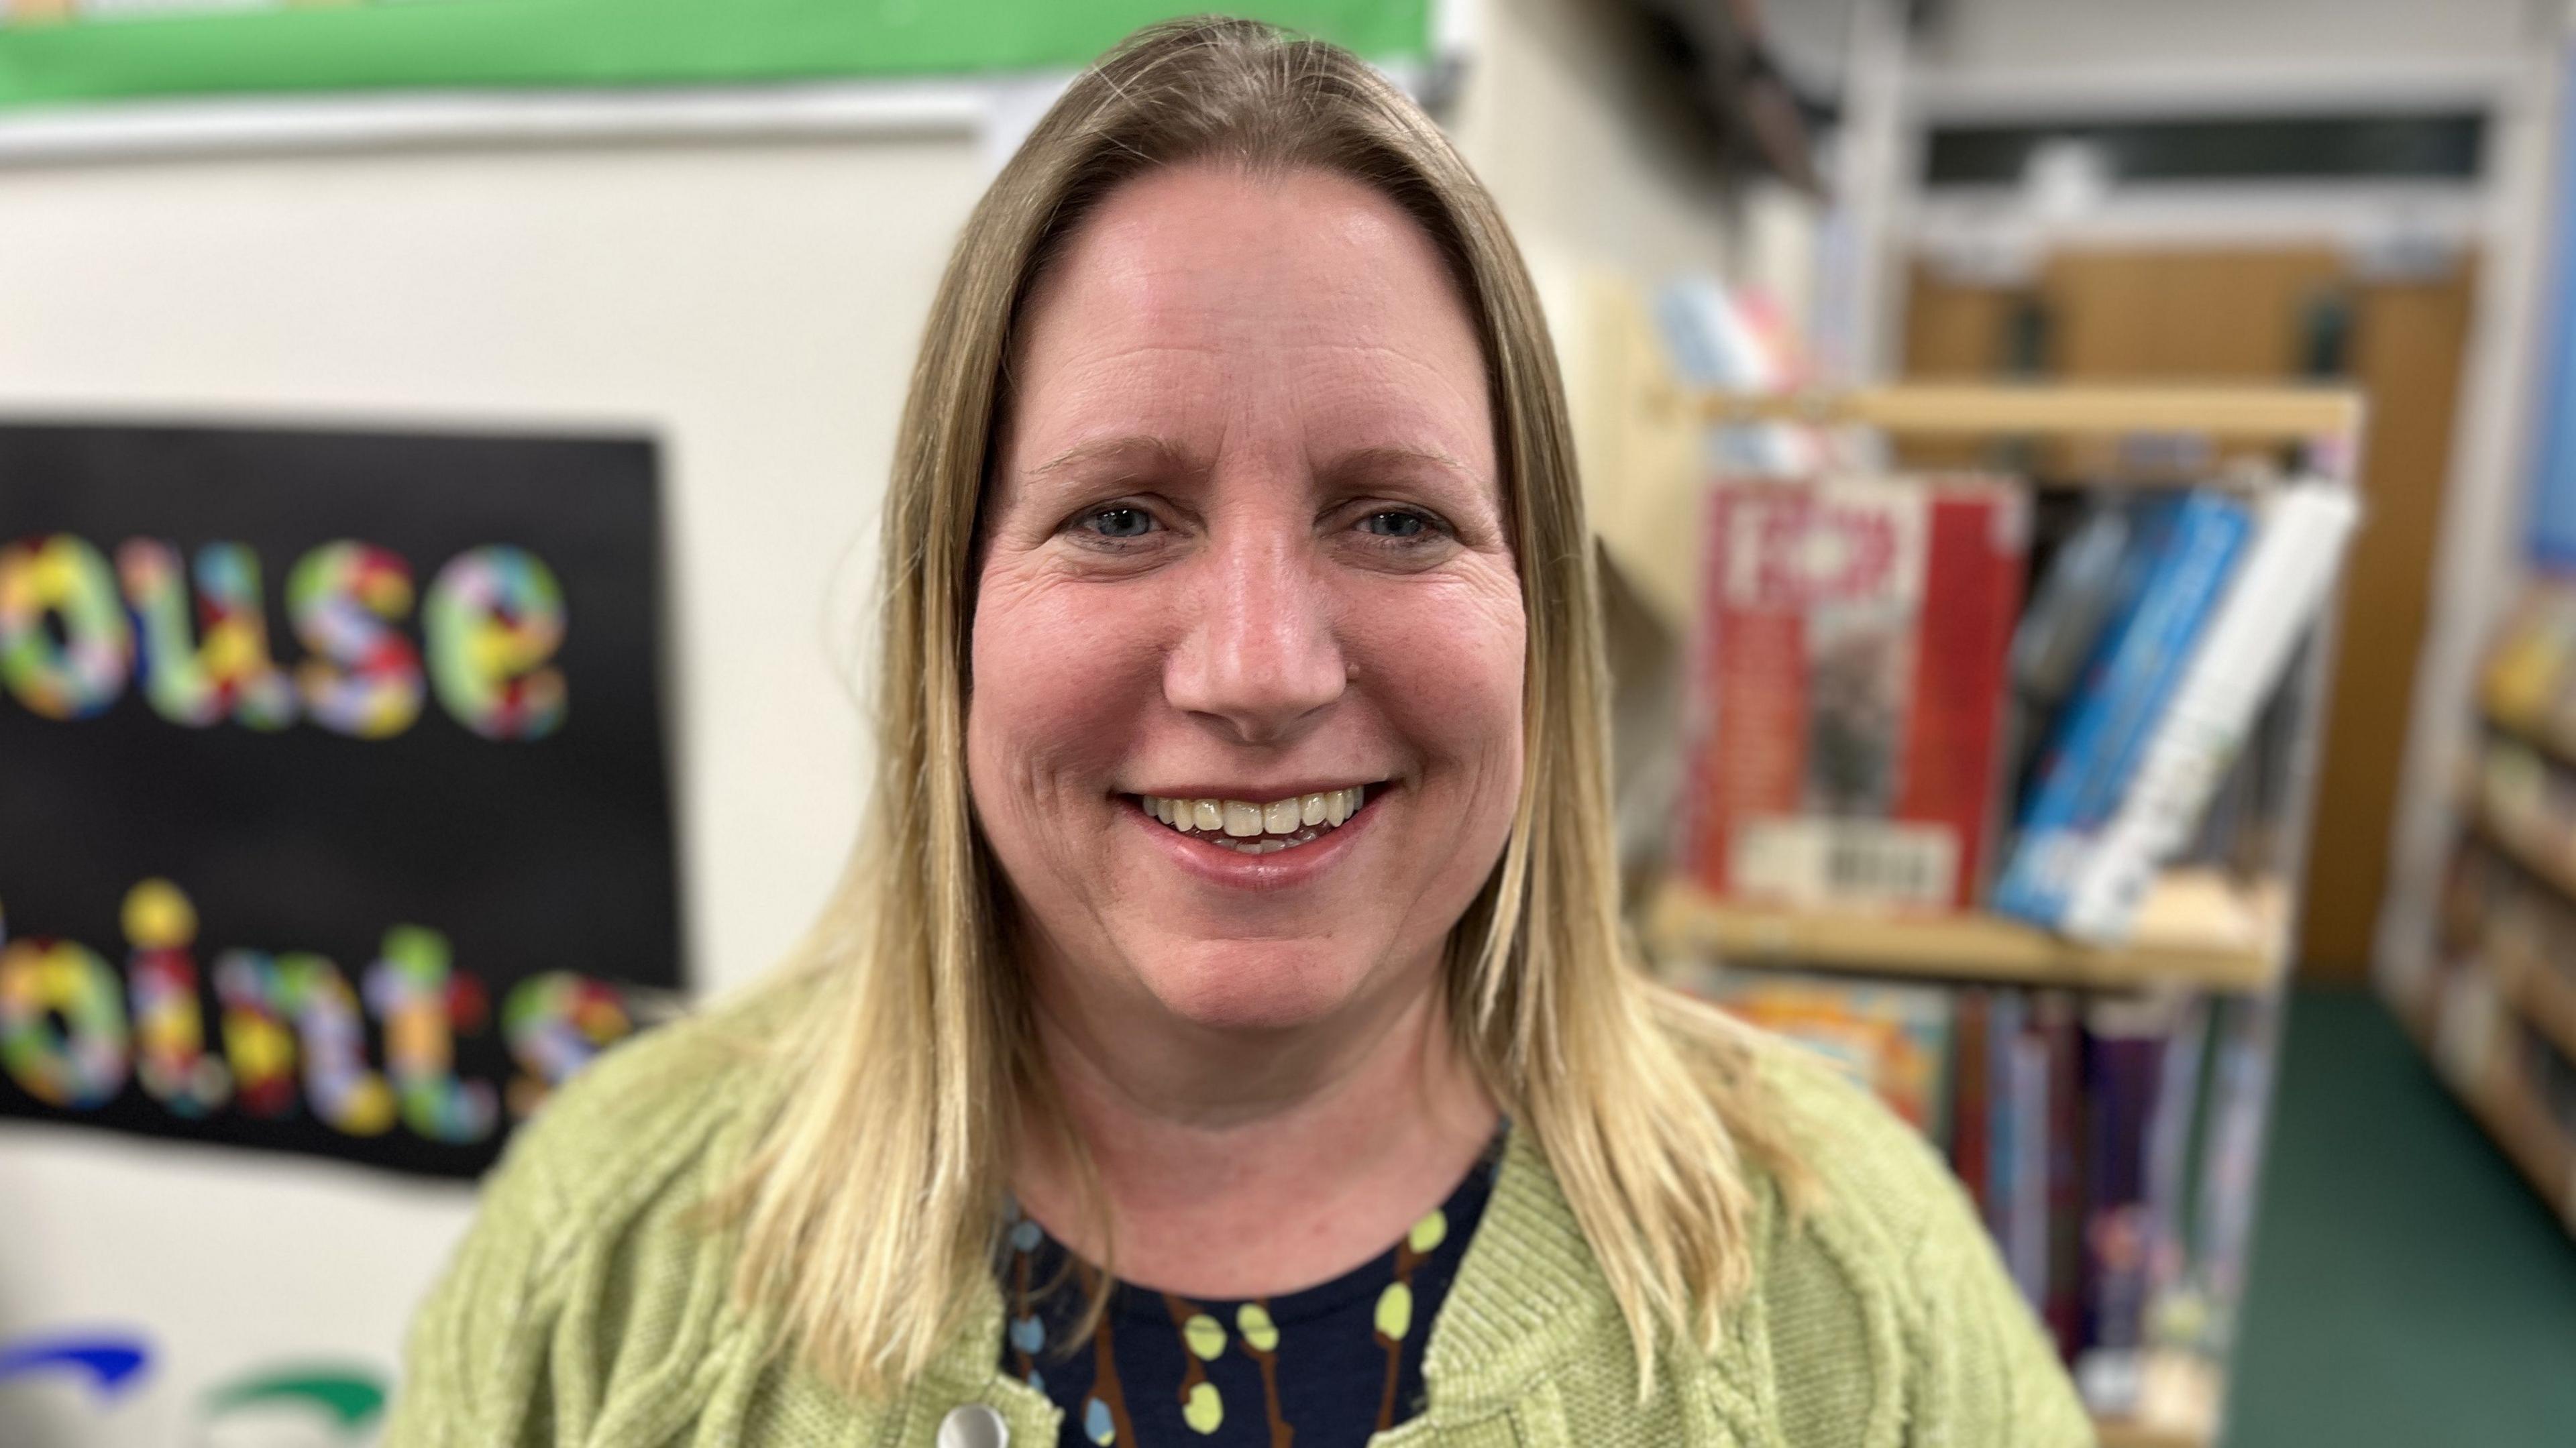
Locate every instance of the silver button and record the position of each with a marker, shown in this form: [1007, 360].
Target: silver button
[974, 1426]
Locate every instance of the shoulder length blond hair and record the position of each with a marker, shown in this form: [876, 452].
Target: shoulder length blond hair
[871, 1202]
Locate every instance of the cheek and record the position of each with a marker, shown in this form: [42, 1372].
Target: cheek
[1058, 675]
[1447, 667]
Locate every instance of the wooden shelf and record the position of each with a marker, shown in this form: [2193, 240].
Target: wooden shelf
[2536, 1146]
[2537, 992]
[2178, 1405]
[2242, 953]
[2544, 742]
[2524, 853]
[2285, 414]
[2122, 1433]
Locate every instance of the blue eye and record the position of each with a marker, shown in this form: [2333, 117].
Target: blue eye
[1395, 524]
[1120, 522]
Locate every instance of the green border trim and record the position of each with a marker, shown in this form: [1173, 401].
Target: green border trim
[307, 49]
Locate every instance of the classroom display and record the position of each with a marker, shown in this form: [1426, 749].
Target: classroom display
[336, 817]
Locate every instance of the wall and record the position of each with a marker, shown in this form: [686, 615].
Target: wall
[754, 307]
[1560, 116]
[2076, 42]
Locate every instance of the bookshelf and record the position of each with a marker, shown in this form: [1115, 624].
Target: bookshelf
[2548, 743]
[1921, 409]
[2499, 998]
[2202, 931]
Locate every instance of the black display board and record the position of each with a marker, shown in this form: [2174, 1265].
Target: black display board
[334, 813]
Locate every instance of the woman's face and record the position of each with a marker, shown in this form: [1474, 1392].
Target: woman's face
[1244, 548]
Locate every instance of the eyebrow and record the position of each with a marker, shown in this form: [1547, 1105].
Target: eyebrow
[1399, 454]
[1160, 453]
[1164, 455]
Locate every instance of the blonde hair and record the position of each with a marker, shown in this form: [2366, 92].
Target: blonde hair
[870, 1205]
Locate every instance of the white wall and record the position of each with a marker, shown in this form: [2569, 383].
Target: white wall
[1555, 118]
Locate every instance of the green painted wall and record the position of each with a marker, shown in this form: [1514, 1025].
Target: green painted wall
[448, 44]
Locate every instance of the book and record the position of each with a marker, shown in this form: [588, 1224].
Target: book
[2094, 750]
[1893, 1039]
[2002, 1135]
[1970, 1113]
[2240, 1092]
[1848, 686]
[2174, 1135]
[2124, 1053]
[2057, 1019]
[2025, 1237]
[2238, 660]
[2089, 578]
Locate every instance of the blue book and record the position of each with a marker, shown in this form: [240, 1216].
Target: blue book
[2003, 1133]
[2188, 556]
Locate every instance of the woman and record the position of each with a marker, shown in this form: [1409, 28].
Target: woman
[1225, 1030]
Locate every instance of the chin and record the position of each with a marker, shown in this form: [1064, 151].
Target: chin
[1237, 985]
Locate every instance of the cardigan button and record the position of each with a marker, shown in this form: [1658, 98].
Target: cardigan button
[974, 1426]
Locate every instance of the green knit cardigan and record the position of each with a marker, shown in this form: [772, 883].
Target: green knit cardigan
[589, 1303]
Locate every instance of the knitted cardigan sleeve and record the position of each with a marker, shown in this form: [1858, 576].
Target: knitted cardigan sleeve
[475, 1363]
[1898, 1326]
[586, 1302]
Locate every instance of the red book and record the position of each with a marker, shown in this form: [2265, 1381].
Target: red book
[1849, 689]
[1969, 1108]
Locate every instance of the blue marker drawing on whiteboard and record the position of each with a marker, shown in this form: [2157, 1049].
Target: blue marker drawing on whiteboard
[113, 1364]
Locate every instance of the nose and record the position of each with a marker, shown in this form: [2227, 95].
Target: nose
[1260, 655]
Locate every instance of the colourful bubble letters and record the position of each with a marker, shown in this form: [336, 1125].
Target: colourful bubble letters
[170, 1058]
[261, 994]
[494, 616]
[411, 991]
[364, 677]
[294, 1033]
[74, 631]
[62, 1023]
[554, 1024]
[257, 1039]
[83, 671]
[220, 668]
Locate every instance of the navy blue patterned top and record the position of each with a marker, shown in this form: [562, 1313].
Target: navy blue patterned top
[1325, 1366]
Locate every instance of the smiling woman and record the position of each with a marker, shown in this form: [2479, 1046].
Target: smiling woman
[1225, 1031]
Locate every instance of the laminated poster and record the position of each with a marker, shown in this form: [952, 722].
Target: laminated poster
[334, 815]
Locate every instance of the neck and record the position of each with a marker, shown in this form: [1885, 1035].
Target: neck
[1363, 1121]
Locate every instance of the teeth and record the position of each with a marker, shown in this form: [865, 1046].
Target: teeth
[1261, 829]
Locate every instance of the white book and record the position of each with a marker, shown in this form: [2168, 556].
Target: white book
[2279, 587]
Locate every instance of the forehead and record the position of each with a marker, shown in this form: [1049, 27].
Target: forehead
[1204, 289]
